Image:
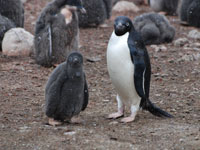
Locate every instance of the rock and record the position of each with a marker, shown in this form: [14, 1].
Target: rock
[17, 42]
[70, 133]
[196, 56]
[159, 48]
[195, 34]
[23, 1]
[125, 6]
[195, 45]
[180, 42]
[192, 57]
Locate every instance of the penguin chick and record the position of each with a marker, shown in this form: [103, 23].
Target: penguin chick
[189, 12]
[154, 28]
[13, 10]
[56, 32]
[5, 25]
[130, 70]
[168, 6]
[66, 92]
[97, 11]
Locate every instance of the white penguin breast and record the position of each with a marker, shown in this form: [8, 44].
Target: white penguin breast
[121, 68]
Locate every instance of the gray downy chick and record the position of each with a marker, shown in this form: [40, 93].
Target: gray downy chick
[66, 92]
[97, 11]
[154, 28]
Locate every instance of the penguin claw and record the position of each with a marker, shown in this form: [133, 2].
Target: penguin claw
[54, 122]
[115, 115]
[128, 119]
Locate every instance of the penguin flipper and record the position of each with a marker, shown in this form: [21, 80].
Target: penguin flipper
[86, 95]
[53, 89]
[139, 70]
[139, 79]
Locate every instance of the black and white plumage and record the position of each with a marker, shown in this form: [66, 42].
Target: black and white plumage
[130, 70]
[5, 25]
[56, 32]
[13, 10]
[190, 12]
[168, 6]
[154, 28]
[97, 11]
[66, 92]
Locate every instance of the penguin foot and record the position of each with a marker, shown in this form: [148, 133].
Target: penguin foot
[54, 122]
[115, 115]
[162, 13]
[128, 119]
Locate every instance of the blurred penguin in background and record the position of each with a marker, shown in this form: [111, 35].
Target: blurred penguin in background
[189, 12]
[57, 32]
[11, 16]
[154, 28]
[167, 6]
[5, 25]
[13, 10]
[97, 11]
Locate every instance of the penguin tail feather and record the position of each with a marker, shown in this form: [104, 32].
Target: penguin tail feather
[149, 106]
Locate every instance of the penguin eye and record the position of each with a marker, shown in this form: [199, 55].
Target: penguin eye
[127, 24]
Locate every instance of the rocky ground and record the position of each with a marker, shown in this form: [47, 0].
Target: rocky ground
[175, 87]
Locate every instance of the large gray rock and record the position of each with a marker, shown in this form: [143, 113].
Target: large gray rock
[125, 6]
[17, 42]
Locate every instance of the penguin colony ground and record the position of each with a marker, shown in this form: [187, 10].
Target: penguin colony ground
[190, 12]
[155, 28]
[97, 11]
[66, 92]
[11, 15]
[130, 70]
[168, 6]
[56, 32]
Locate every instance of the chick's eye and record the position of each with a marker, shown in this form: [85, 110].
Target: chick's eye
[127, 24]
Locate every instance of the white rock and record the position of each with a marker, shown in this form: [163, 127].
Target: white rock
[70, 133]
[159, 48]
[181, 42]
[23, 1]
[17, 42]
[125, 6]
[195, 34]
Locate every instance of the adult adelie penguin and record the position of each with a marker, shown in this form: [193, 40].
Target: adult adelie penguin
[130, 70]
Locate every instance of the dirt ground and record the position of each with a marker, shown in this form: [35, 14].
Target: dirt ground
[175, 87]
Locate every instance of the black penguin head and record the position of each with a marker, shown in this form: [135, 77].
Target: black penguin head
[75, 60]
[122, 25]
